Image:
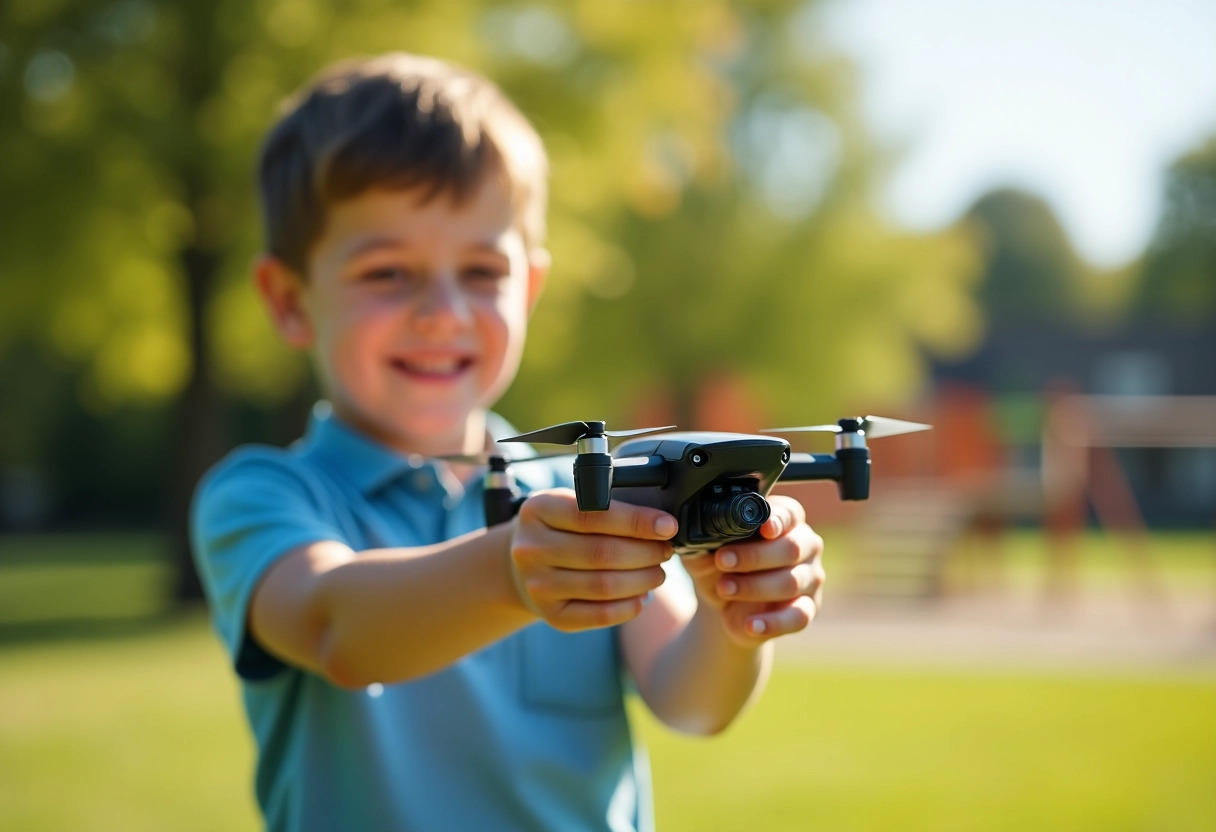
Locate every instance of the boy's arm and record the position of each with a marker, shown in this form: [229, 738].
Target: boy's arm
[698, 664]
[388, 614]
[395, 614]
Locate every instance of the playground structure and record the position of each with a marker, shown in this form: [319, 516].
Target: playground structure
[949, 494]
[966, 491]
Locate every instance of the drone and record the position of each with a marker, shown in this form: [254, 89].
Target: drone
[714, 484]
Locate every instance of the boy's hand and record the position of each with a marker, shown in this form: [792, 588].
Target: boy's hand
[580, 570]
[768, 587]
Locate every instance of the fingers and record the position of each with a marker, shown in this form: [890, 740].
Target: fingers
[774, 571]
[798, 544]
[558, 509]
[576, 585]
[562, 550]
[786, 514]
[774, 585]
[623, 537]
[578, 570]
[586, 615]
[755, 623]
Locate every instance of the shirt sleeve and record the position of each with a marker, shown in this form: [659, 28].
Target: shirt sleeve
[250, 510]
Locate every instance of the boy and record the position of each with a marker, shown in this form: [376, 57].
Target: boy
[402, 666]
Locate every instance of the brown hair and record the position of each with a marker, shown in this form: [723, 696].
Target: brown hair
[395, 121]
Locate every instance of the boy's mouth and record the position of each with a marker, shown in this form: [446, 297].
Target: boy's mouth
[432, 369]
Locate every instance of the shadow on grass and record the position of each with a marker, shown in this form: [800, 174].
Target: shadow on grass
[99, 629]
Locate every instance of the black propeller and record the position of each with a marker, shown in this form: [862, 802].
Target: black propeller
[875, 427]
[568, 433]
[485, 457]
[592, 464]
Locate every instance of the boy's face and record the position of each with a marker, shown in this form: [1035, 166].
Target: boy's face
[415, 312]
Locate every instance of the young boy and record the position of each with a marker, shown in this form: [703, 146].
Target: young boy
[403, 667]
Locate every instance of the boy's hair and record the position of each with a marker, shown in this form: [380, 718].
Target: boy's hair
[397, 121]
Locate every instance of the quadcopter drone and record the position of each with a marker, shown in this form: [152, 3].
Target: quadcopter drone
[714, 484]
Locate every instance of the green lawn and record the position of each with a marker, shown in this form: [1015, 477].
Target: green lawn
[134, 732]
[53, 581]
[835, 749]
[143, 732]
[128, 721]
[49, 581]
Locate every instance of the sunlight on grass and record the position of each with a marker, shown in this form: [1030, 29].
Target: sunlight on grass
[63, 577]
[138, 733]
[880, 750]
[145, 733]
[129, 720]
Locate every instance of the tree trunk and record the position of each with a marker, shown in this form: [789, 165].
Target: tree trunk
[201, 421]
[202, 424]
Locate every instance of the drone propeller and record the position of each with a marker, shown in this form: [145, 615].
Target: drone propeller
[485, 457]
[875, 427]
[592, 464]
[569, 433]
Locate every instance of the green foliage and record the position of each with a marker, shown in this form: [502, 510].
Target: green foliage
[708, 213]
[1031, 273]
[1178, 279]
[740, 245]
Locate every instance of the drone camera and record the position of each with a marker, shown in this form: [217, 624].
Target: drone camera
[734, 510]
[725, 510]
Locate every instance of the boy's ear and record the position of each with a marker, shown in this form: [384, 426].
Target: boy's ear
[283, 291]
[539, 261]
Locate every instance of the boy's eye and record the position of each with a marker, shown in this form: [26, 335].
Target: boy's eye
[484, 274]
[387, 274]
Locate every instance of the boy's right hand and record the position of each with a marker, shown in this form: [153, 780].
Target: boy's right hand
[579, 570]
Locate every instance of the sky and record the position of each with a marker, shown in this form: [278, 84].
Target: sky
[1085, 102]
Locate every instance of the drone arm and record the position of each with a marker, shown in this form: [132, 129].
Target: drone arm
[649, 474]
[501, 505]
[809, 467]
[849, 467]
[500, 497]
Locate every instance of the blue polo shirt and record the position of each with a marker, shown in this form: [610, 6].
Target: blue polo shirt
[528, 733]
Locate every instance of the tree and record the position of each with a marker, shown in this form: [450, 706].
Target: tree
[709, 203]
[1177, 282]
[750, 248]
[1031, 273]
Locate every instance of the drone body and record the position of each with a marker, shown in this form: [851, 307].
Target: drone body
[715, 484]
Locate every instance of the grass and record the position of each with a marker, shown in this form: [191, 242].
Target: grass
[53, 581]
[1180, 561]
[49, 582]
[850, 750]
[144, 732]
[128, 718]
[138, 732]
[1020, 560]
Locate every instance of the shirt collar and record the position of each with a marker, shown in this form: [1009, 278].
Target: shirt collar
[369, 465]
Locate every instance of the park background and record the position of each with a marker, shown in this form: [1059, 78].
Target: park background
[760, 215]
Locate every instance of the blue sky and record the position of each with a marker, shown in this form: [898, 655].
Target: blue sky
[1083, 101]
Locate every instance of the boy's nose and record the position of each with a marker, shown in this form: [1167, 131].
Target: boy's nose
[443, 304]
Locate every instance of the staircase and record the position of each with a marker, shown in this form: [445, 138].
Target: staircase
[904, 537]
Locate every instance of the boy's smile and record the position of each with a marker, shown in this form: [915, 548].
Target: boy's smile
[415, 312]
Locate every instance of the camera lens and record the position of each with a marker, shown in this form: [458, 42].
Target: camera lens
[735, 514]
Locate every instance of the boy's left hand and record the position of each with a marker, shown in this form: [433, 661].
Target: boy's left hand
[764, 587]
